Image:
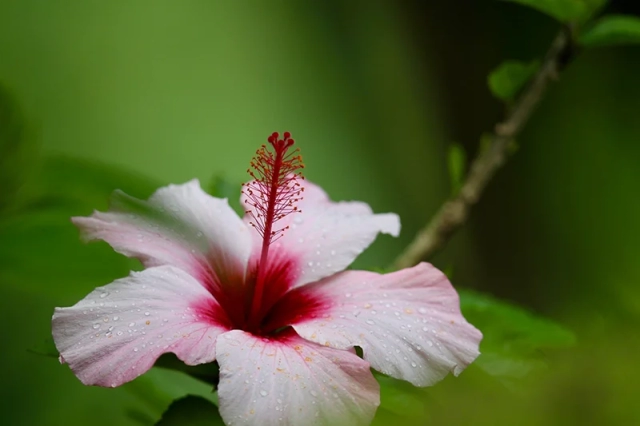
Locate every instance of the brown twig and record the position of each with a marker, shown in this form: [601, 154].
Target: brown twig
[454, 212]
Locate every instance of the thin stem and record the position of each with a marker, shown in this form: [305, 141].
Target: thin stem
[266, 239]
[454, 212]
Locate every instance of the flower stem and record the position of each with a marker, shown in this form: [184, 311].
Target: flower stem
[454, 212]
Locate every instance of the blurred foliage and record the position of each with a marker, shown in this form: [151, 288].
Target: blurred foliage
[191, 411]
[612, 30]
[514, 340]
[457, 167]
[17, 149]
[565, 10]
[509, 77]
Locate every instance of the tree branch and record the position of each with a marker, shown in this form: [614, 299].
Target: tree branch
[454, 212]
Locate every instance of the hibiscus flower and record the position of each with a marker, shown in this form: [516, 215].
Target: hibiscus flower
[267, 297]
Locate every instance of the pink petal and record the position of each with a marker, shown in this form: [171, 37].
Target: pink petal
[408, 323]
[180, 225]
[290, 381]
[327, 236]
[118, 331]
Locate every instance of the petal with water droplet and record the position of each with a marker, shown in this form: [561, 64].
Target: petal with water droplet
[179, 225]
[101, 355]
[423, 325]
[263, 381]
[334, 233]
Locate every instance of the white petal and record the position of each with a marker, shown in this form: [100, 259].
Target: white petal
[326, 237]
[408, 323]
[118, 331]
[180, 225]
[290, 381]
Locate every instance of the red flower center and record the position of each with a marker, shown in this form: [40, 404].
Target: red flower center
[273, 194]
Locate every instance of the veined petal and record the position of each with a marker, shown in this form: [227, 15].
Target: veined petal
[179, 225]
[327, 236]
[118, 331]
[408, 323]
[290, 381]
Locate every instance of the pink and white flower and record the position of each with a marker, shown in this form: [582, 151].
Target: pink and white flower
[266, 296]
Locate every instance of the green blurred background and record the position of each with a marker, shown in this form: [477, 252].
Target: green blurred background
[135, 94]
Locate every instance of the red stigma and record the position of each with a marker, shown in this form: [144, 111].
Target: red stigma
[273, 194]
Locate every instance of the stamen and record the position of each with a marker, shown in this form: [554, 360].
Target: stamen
[273, 194]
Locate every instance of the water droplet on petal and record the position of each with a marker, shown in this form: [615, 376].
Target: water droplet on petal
[103, 295]
[333, 252]
[147, 314]
[370, 322]
[310, 264]
[422, 310]
[313, 393]
[264, 392]
[132, 324]
[199, 234]
[116, 318]
[414, 365]
[96, 326]
[347, 295]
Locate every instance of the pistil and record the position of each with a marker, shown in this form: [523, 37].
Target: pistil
[273, 194]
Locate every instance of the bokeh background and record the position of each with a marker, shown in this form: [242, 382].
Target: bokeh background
[136, 94]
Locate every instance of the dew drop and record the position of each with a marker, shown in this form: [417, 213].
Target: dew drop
[116, 318]
[425, 329]
[132, 324]
[370, 322]
[103, 295]
[264, 392]
[347, 295]
[422, 310]
[310, 264]
[313, 393]
[414, 365]
[333, 252]
[429, 342]
[297, 220]
[147, 314]
[96, 326]
[135, 349]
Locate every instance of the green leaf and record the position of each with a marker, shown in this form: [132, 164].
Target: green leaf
[191, 411]
[612, 30]
[40, 251]
[208, 373]
[45, 348]
[514, 339]
[17, 149]
[158, 387]
[457, 167]
[506, 81]
[565, 10]
[402, 398]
